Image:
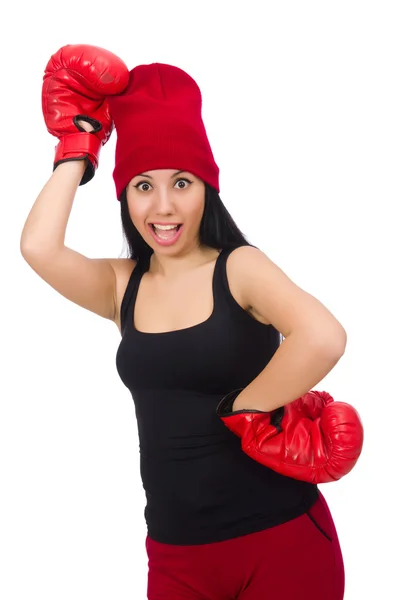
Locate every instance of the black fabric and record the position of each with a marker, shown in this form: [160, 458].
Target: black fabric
[200, 486]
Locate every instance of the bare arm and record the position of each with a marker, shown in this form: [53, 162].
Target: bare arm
[90, 283]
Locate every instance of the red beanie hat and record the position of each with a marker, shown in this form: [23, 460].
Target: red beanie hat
[159, 126]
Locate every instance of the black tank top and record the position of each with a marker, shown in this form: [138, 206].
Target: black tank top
[200, 486]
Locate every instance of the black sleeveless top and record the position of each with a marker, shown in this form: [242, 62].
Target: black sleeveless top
[200, 486]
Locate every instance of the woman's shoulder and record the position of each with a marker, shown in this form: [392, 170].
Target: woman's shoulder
[123, 269]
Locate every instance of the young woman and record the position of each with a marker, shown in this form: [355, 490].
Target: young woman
[201, 313]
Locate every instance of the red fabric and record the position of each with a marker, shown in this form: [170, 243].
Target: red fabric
[159, 126]
[300, 560]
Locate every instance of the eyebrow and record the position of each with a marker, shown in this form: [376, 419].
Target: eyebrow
[146, 175]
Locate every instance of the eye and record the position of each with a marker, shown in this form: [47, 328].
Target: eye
[180, 180]
[138, 185]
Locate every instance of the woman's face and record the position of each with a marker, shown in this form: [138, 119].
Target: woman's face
[167, 197]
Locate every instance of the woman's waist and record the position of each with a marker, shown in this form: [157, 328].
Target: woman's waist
[186, 479]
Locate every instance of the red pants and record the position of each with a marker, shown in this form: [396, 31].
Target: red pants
[299, 560]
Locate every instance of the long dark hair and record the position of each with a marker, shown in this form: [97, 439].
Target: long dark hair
[217, 228]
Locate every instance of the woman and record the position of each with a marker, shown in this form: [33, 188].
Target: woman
[201, 312]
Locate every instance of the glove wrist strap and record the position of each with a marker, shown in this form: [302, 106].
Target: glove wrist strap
[79, 146]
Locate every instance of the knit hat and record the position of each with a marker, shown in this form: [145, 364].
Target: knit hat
[159, 126]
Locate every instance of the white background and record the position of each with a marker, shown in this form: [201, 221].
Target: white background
[300, 105]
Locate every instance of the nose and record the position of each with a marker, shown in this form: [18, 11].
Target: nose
[164, 204]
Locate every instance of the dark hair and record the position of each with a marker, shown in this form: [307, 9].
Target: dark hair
[217, 228]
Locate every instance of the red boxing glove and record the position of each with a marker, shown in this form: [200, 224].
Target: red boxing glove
[77, 80]
[313, 439]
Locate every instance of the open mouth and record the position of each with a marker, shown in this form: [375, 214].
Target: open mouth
[177, 228]
[166, 236]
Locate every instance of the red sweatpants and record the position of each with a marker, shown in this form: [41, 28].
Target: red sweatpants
[297, 560]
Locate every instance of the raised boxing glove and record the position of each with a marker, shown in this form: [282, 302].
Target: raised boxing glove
[77, 80]
[312, 439]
